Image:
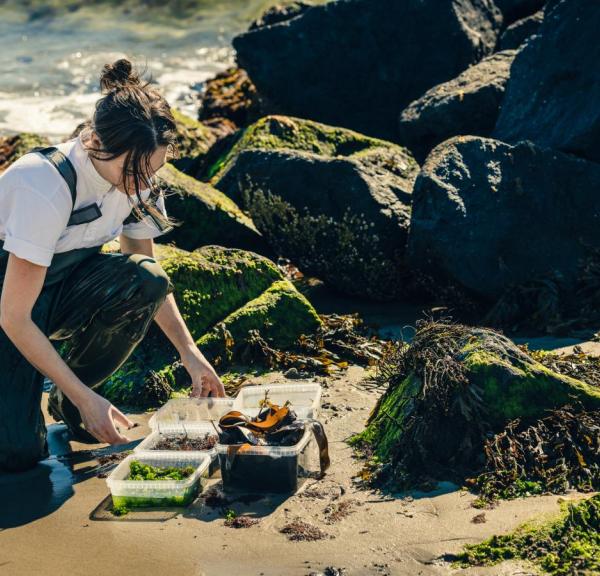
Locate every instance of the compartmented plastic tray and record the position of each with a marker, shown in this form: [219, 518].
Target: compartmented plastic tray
[305, 398]
[153, 493]
[191, 413]
[198, 431]
[260, 469]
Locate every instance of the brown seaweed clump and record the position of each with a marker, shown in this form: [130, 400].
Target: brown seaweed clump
[301, 531]
[340, 340]
[554, 454]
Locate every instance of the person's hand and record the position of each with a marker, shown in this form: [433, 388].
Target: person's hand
[100, 417]
[205, 380]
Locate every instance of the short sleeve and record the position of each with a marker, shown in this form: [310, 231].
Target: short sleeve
[33, 225]
[147, 227]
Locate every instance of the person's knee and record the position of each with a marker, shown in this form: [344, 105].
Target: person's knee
[154, 281]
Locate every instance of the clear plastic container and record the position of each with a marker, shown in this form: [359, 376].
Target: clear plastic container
[191, 413]
[153, 493]
[260, 469]
[305, 399]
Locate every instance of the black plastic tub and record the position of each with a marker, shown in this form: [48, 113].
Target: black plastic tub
[263, 469]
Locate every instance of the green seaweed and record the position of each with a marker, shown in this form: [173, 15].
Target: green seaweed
[140, 471]
[206, 215]
[566, 545]
[447, 392]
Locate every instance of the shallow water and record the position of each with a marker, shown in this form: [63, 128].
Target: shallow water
[50, 63]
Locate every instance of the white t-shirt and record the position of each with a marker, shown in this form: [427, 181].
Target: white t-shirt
[35, 205]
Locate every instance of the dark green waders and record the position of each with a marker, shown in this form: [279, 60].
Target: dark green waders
[102, 305]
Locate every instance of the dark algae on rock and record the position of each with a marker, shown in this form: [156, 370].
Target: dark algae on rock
[566, 546]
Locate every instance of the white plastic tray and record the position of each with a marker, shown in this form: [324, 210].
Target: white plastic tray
[145, 493]
[305, 398]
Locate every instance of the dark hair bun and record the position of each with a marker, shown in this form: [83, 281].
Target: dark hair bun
[118, 75]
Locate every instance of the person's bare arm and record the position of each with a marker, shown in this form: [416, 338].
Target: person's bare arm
[22, 286]
[204, 377]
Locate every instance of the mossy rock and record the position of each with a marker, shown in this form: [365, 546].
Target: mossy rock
[276, 132]
[233, 288]
[194, 140]
[333, 201]
[13, 147]
[206, 215]
[452, 388]
[280, 313]
[212, 282]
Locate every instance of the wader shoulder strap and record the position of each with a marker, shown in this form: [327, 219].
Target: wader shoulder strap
[67, 171]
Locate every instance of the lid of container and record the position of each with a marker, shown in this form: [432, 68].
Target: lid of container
[191, 413]
[304, 398]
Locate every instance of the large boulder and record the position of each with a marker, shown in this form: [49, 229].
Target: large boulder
[12, 147]
[488, 215]
[212, 282]
[520, 31]
[553, 95]
[357, 63]
[206, 215]
[224, 295]
[468, 104]
[335, 202]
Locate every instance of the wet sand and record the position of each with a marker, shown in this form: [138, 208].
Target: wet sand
[56, 534]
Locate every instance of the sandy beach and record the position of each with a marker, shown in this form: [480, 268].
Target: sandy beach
[406, 535]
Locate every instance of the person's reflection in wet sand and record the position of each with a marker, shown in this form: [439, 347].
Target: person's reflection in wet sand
[40, 491]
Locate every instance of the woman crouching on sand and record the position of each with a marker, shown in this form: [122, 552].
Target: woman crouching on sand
[58, 206]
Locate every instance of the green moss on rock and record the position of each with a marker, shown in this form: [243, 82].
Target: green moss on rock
[194, 139]
[214, 286]
[568, 544]
[280, 313]
[275, 132]
[205, 215]
[212, 282]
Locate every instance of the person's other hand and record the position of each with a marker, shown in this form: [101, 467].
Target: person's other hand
[205, 380]
[100, 417]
